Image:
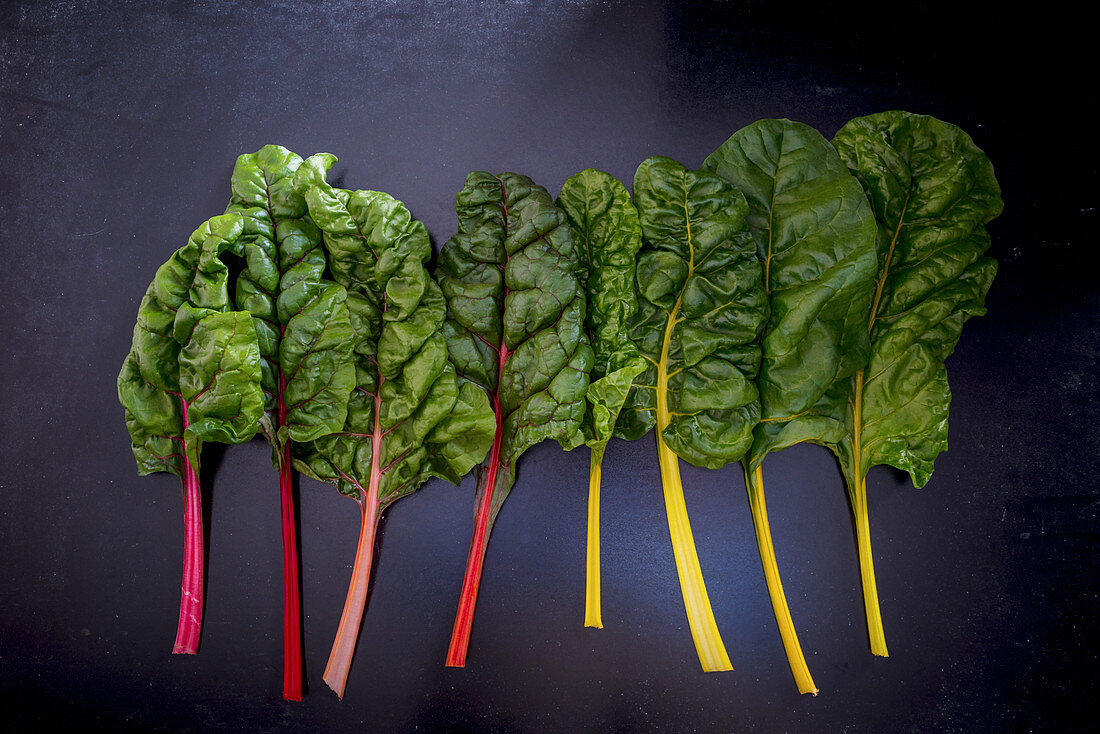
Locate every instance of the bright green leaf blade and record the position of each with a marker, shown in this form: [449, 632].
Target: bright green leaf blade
[606, 397]
[302, 321]
[154, 418]
[702, 302]
[461, 440]
[193, 283]
[423, 426]
[814, 234]
[607, 237]
[932, 191]
[315, 357]
[220, 381]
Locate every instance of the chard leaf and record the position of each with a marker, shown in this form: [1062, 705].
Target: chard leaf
[932, 191]
[701, 311]
[607, 237]
[305, 332]
[191, 285]
[303, 323]
[408, 418]
[515, 329]
[814, 235]
[192, 375]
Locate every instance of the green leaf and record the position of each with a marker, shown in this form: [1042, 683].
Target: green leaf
[154, 419]
[932, 191]
[302, 321]
[515, 322]
[514, 329]
[407, 397]
[190, 287]
[700, 314]
[220, 381]
[607, 236]
[814, 234]
[606, 397]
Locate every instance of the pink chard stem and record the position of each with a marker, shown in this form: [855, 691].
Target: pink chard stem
[189, 628]
[347, 634]
[292, 625]
[190, 623]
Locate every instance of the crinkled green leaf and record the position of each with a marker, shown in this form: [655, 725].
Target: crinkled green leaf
[425, 425]
[302, 321]
[606, 397]
[220, 381]
[515, 320]
[701, 311]
[190, 286]
[154, 418]
[814, 235]
[932, 191]
[607, 236]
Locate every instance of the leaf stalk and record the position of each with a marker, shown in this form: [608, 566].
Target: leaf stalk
[875, 633]
[351, 620]
[347, 633]
[754, 482]
[592, 602]
[704, 628]
[189, 629]
[471, 581]
[292, 626]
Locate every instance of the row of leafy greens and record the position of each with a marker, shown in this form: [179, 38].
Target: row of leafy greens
[327, 342]
[791, 290]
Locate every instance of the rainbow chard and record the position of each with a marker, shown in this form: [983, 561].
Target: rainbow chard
[408, 418]
[701, 307]
[192, 375]
[515, 329]
[815, 236]
[932, 191]
[305, 340]
[607, 236]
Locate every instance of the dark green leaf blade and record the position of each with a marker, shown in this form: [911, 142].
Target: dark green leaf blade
[932, 191]
[607, 237]
[510, 278]
[701, 311]
[814, 234]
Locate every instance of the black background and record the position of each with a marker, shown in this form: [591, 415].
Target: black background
[119, 126]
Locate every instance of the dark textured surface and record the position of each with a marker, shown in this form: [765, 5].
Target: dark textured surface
[119, 126]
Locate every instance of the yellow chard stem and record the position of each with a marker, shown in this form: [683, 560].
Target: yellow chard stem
[857, 493]
[875, 632]
[592, 616]
[704, 629]
[754, 482]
